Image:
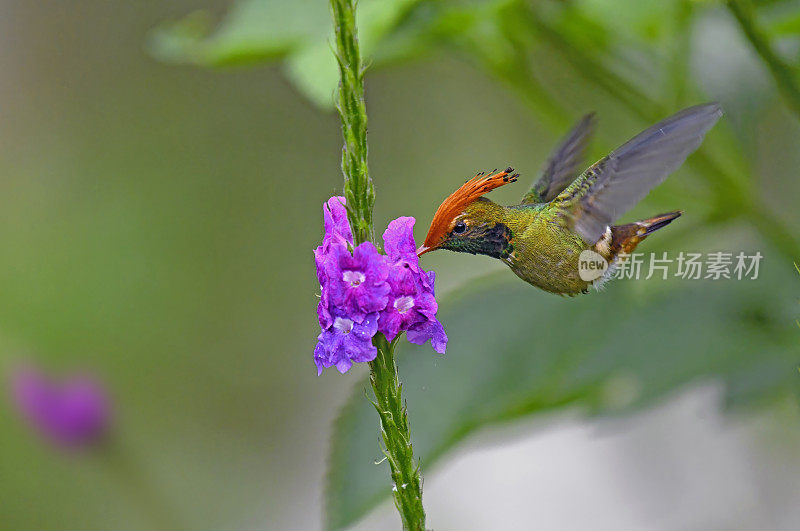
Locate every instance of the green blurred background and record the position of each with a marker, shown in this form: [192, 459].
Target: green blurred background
[157, 223]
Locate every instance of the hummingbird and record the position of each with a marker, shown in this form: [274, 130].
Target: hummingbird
[565, 216]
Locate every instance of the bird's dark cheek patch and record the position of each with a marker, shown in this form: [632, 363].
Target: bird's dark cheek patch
[492, 241]
[497, 241]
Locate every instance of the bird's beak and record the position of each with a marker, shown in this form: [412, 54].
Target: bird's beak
[424, 249]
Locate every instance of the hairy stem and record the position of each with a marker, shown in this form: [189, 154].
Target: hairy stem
[353, 114]
[407, 489]
[360, 196]
[781, 72]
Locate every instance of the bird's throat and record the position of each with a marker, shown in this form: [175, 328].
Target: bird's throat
[494, 240]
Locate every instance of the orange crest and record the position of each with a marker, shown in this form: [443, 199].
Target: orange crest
[458, 201]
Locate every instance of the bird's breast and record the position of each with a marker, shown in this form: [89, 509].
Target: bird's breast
[546, 255]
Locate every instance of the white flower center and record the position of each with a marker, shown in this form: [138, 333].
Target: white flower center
[354, 278]
[403, 304]
[343, 325]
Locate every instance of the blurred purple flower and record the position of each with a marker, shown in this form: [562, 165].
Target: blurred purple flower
[345, 342]
[72, 413]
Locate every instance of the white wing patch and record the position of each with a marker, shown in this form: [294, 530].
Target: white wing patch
[603, 245]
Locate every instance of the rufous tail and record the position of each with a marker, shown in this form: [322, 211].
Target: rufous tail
[624, 238]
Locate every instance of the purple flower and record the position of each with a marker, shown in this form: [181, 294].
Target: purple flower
[320, 257]
[345, 342]
[337, 234]
[323, 311]
[398, 242]
[408, 303]
[337, 228]
[72, 413]
[323, 308]
[431, 329]
[357, 282]
[412, 305]
[363, 292]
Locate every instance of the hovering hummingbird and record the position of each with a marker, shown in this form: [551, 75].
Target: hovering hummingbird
[565, 214]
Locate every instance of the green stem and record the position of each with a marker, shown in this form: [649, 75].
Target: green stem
[358, 190]
[395, 431]
[360, 196]
[781, 72]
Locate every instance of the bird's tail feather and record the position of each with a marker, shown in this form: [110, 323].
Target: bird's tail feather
[625, 238]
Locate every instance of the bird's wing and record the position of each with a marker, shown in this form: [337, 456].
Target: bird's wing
[564, 163]
[616, 183]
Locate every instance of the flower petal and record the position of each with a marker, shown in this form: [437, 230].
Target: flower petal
[398, 240]
[343, 365]
[367, 328]
[335, 216]
[433, 330]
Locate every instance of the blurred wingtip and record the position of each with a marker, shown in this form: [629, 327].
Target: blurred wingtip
[712, 108]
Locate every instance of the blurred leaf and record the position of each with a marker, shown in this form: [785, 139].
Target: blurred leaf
[475, 26]
[252, 30]
[784, 25]
[514, 352]
[298, 31]
[644, 18]
[299, 34]
[314, 73]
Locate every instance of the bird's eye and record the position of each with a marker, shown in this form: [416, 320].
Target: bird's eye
[460, 227]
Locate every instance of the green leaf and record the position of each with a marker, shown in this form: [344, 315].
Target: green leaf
[515, 351]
